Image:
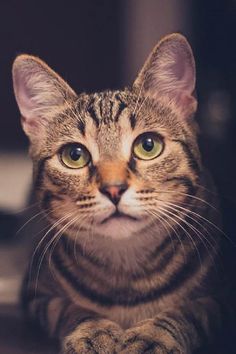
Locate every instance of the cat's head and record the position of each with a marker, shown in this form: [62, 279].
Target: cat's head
[112, 162]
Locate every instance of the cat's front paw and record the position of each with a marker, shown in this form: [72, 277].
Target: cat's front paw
[145, 338]
[98, 336]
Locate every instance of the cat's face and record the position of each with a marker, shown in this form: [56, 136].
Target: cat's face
[112, 162]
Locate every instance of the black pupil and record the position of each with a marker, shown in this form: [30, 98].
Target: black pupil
[75, 153]
[148, 144]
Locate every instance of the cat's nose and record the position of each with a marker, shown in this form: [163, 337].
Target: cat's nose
[114, 191]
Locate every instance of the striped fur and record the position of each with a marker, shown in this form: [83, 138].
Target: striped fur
[143, 283]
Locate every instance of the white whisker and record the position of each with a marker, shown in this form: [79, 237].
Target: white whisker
[42, 240]
[48, 246]
[172, 217]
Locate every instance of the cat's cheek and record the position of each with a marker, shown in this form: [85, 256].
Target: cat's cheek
[130, 204]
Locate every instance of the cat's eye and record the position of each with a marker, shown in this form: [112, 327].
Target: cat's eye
[148, 146]
[75, 156]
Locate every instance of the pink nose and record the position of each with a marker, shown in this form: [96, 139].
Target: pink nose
[114, 192]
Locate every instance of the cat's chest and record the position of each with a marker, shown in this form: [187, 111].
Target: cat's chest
[125, 297]
[124, 309]
[123, 303]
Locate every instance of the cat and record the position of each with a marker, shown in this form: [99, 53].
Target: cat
[128, 264]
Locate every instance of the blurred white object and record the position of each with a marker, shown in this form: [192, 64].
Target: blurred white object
[15, 180]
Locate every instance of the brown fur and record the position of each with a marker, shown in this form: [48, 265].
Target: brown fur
[142, 283]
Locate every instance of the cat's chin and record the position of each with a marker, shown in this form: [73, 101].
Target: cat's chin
[120, 226]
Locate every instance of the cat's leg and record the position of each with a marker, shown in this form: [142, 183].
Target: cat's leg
[175, 332]
[79, 330]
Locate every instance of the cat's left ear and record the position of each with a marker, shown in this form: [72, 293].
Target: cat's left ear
[40, 94]
[169, 73]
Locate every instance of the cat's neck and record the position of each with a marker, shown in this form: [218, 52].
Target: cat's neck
[128, 254]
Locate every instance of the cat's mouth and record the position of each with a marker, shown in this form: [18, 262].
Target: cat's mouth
[118, 215]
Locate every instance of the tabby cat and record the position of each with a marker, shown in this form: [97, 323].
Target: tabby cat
[129, 262]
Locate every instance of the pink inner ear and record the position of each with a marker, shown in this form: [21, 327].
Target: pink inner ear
[39, 93]
[184, 71]
[26, 104]
[30, 121]
[182, 83]
[171, 70]
[23, 97]
[171, 74]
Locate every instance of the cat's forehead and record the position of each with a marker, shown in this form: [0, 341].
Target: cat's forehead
[115, 112]
[114, 109]
[106, 107]
[109, 121]
[107, 118]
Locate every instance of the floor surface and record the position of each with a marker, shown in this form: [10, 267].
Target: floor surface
[17, 338]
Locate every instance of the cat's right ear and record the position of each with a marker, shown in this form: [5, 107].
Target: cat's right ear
[39, 92]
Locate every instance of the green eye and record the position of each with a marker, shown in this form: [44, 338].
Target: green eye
[75, 156]
[148, 146]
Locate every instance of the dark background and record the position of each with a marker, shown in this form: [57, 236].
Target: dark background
[87, 42]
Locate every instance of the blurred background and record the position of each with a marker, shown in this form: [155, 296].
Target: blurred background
[94, 45]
